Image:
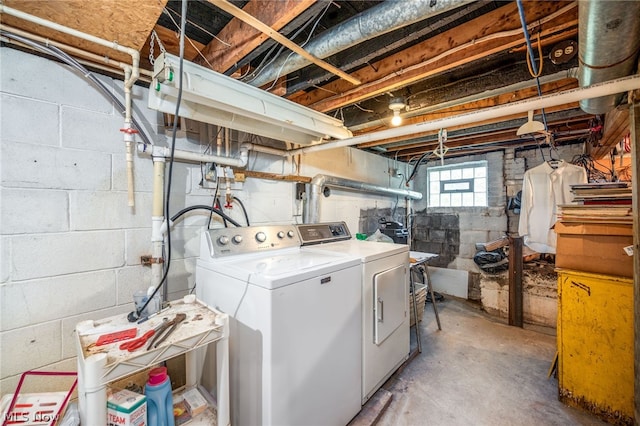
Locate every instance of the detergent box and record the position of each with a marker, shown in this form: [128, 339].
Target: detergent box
[126, 408]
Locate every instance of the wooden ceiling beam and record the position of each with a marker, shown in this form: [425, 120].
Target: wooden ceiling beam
[237, 39]
[171, 43]
[494, 32]
[616, 126]
[275, 35]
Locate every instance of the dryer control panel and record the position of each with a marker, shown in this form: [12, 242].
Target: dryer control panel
[318, 233]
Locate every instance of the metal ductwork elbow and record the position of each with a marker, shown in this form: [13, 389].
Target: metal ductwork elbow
[609, 41]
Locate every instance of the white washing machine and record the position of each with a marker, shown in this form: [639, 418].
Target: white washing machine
[295, 325]
[385, 300]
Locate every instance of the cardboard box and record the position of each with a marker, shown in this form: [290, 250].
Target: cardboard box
[196, 403]
[597, 248]
[126, 408]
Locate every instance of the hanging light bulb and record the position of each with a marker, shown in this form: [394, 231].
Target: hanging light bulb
[396, 105]
[396, 120]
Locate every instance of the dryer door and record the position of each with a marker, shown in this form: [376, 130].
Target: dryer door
[390, 295]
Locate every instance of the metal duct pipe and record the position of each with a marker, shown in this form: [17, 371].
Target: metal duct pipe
[374, 22]
[609, 41]
[319, 182]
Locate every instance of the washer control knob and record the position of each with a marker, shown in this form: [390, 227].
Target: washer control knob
[281, 234]
[261, 237]
[290, 234]
[237, 239]
[223, 240]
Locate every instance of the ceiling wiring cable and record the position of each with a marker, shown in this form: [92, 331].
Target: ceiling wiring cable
[204, 58]
[531, 71]
[424, 156]
[263, 64]
[539, 147]
[260, 68]
[133, 316]
[535, 74]
[593, 173]
[277, 77]
[200, 27]
[67, 59]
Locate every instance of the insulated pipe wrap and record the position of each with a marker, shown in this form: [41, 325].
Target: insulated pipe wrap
[609, 41]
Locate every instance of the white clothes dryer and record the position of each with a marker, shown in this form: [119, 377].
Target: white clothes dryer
[295, 325]
[385, 298]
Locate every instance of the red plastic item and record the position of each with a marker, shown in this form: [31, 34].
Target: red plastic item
[9, 416]
[137, 343]
[117, 336]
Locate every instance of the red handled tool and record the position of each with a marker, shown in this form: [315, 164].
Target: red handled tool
[135, 344]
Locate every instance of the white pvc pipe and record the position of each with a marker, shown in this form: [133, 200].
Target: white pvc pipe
[135, 55]
[219, 140]
[573, 95]
[157, 219]
[128, 138]
[165, 152]
[96, 61]
[264, 149]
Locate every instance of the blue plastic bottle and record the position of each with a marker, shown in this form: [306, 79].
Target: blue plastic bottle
[159, 398]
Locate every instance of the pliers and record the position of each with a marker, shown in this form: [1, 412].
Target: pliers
[165, 330]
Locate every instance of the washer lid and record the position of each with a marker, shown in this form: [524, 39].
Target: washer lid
[279, 268]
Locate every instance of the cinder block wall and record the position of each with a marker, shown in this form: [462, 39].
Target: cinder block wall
[70, 246]
[435, 231]
[455, 231]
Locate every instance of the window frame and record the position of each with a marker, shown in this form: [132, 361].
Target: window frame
[472, 181]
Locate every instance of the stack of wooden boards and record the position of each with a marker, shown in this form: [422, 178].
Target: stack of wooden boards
[608, 202]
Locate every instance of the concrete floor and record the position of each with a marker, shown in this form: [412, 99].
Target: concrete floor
[478, 371]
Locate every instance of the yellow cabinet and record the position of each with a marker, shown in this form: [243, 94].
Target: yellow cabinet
[595, 344]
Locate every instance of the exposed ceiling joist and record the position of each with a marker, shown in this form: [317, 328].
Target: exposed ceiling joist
[238, 38]
[467, 58]
[265, 29]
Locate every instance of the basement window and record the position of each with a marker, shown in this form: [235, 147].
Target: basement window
[458, 185]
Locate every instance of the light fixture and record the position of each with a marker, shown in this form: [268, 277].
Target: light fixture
[396, 105]
[531, 126]
[214, 98]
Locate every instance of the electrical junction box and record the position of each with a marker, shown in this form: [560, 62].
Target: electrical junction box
[126, 408]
